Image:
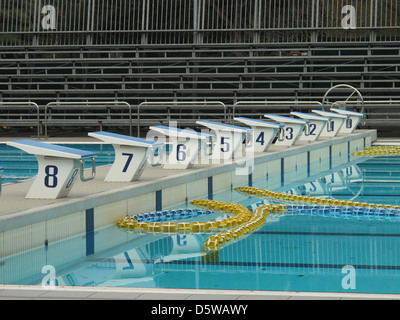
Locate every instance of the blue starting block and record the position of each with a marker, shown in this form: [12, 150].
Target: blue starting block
[337, 122]
[293, 129]
[131, 155]
[264, 132]
[185, 146]
[317, 124]
[352, 122]
[59, 168]
[228, 139]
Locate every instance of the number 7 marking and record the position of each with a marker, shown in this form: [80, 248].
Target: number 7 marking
[128, 161]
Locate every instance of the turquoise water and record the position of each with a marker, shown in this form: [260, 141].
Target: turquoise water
[293, 252]
[19, 165]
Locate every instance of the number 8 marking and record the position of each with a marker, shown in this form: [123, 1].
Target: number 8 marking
[50, 180]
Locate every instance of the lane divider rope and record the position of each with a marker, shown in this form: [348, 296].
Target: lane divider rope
[378, 151]
[290, 198]
[242, 223]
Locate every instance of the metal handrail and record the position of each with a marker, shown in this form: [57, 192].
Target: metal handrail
[89, 103]
[169, 103]
[93, 174]
[266, 103]
[27, 103]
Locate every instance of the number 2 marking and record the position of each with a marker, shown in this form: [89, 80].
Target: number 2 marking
[313, 127]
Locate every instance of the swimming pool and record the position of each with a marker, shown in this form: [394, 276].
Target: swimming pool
[298, 252]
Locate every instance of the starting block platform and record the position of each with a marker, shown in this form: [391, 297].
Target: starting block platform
[337, 122]
[229, 139]
[352, 122]
[59, 168]
[131, 155]
[264, 132]
[317, 124]
[185, 146]
[292, 131]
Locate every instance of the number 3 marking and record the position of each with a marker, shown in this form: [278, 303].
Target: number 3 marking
[289, 136]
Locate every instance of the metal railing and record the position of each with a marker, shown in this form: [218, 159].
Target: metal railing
[24, 104]
[122, 22]
[274, 103]
[51, 104]
[173, 103]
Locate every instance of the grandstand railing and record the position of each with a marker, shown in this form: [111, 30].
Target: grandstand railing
[11, 116]
[129, 22]
[283, 105]
[167, 117]
[83, 118]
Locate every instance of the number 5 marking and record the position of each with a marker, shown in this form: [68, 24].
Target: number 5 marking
[225, 144]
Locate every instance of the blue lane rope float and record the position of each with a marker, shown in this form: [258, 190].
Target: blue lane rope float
[343, 211]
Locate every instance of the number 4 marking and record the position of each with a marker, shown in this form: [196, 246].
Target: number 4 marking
[261, 138]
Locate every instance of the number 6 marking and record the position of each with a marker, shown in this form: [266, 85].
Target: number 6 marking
[180, 152]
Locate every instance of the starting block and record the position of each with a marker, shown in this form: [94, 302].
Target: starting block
[228, 139]
[59, 168]
[131, 155]
[185, 146]
[1, 170]
[317, 124]
[292, 131]
[352, 122]
[264, 132]
[337, 122]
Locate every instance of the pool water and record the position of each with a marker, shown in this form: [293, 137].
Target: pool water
[19, 165]
[292, 252]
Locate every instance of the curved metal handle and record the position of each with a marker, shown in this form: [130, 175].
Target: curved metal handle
[248, 139]
[349, 123]
[93, 175]
[281, 134]
[331, 123]
[307, 130]
[155, 159]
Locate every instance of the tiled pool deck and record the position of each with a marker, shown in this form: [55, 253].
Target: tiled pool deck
[101, 293]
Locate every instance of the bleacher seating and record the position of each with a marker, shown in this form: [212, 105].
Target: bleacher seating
[228, 73]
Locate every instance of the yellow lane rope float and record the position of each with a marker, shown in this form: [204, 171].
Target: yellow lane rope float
[240, 215]
[216, 242]
[290, 198]
[231, 229]
[378, 151]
